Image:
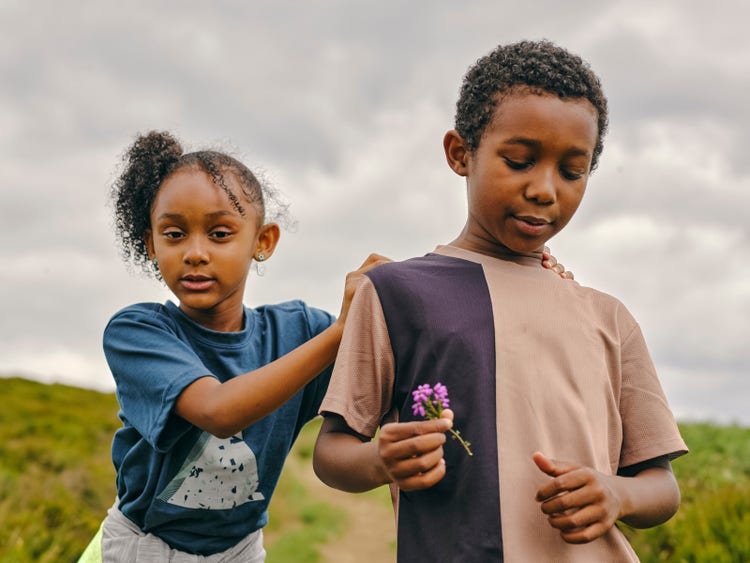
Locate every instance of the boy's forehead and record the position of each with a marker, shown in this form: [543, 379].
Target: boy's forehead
[519, 111]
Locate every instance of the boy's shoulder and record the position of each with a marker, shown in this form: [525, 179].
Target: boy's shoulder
[450, 270]
[420, 265]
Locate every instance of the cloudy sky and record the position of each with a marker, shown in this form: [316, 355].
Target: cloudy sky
[342, 106]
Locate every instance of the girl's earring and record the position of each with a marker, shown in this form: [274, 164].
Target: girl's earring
[155, 263]
[260, 268]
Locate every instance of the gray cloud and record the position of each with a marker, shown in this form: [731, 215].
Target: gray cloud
[344, 106]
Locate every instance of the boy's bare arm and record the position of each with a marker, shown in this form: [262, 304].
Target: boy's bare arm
[584, 504]
[409, 454]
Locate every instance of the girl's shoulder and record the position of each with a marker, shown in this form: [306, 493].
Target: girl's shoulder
[294, 312]
[145, 311]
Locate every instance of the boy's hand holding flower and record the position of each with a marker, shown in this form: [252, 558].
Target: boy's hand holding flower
[411, 453]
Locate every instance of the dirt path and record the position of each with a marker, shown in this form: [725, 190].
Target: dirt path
[370, 535]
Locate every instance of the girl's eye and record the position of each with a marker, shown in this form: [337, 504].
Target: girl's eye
[221, 234]
[173, 234]
[518, 165]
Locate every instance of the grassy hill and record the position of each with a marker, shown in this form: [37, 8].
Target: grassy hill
[56, 482]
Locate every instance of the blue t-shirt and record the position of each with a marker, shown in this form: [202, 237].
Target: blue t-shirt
[199, 493]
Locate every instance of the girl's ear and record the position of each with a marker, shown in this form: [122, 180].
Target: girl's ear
[148, 239]
[456, 152]
[268, 238]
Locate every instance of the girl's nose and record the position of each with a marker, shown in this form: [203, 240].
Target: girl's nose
[196, 253]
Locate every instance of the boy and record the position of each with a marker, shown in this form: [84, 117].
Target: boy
[532, 364]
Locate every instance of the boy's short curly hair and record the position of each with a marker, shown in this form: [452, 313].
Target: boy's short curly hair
[540, 66]
[150, 160]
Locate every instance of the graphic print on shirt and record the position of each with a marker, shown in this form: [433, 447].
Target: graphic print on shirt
[218, 473]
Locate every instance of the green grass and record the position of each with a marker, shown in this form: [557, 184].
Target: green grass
[57, 480]
[56, 476]
[713, 523]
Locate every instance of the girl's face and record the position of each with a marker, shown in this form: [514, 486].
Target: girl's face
[205, 247]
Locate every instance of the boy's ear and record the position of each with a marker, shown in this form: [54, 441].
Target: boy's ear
[456, 152]
[268, 238]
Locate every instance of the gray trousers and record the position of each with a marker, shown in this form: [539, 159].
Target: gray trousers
[123, 542]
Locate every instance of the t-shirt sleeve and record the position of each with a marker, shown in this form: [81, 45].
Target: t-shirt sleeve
[151, 367]
[649, 427]
[318, 321]
[361, 387]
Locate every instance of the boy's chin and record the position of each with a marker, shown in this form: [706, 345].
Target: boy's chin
[524, 247]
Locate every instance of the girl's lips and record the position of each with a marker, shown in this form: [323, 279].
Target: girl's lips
[196, 284]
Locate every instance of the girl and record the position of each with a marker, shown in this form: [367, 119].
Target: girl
[212, 393]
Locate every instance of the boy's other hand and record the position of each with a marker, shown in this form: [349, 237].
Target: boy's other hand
[579, 501]
[550, 262]
[412, 452]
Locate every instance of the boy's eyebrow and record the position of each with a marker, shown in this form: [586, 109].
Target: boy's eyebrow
[533, 143]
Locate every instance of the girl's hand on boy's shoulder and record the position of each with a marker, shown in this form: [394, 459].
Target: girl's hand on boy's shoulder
[354, 279]
[411, 453]
[550, 262]
[579, 501]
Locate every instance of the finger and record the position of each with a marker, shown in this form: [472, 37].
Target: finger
[373, 260]
[566, 484]
[585, 535]
[576, 497]
[578, 519]
[567, 275]
[402, 430]
[423, 480]
[552, 467]
[448, 414]
[558, 268]
[411, 447]
[545, 464]
[416, 465]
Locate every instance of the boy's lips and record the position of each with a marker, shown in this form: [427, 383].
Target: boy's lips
[531, 225]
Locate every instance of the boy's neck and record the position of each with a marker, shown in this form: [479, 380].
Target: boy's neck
[492, 249]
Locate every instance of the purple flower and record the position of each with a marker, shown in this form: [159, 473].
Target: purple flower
[429, 403]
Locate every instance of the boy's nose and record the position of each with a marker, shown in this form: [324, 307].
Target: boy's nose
[541, 187]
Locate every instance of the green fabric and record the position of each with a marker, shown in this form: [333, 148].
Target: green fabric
[93, 552]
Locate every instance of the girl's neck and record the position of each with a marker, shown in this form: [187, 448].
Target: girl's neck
[229, 320]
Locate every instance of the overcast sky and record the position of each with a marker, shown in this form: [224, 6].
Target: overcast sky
[342, 105]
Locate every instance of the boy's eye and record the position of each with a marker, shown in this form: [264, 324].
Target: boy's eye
[518, 164]
[572, 174]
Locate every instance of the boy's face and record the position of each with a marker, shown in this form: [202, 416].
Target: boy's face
[526, 178]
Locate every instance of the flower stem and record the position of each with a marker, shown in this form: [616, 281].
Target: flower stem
[464, 443]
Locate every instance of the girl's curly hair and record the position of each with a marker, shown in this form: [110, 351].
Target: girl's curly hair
[147, 163]
[540, 66]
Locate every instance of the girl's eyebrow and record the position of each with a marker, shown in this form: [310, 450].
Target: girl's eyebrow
[215, 215]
